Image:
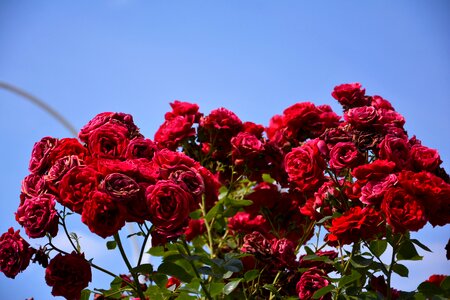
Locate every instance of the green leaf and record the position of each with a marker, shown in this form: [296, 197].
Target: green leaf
[143, 269]
[171, 269]
[216, 288]
[85, 294]
[323, 291]
[429, 289]
[251, 275]
[233, 265]
[160, 279]
[156, 251]
[185, 296]
[445, 284]
[378, 247]
[349, 278]
[214, 211]
[267, 178]
[271, 288]
[111, 245]
[407, 251]
[139, 233]
[324, 219]
[401, 270]
[231, 286]
[418, 243]
[238, 203]
[361, 262]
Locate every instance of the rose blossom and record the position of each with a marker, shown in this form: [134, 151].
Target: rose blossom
[361, 117]
[168, 204]
[76, 185]
[255, 243]
[243, 222]
[66, 147]
[15, 253]
[108, 141]
[33, 185]
[345, 155]
[102, 215]
[59, 169]
[68, 275]
[284, 253]
[424, 158]
[305, 166]
[38, 216]
[373, 191]
[403, 211]
[377, 170]
[311, 281]
[194, 229]
[350, 95]
[395, 149]
[40, 156]
[140, 148]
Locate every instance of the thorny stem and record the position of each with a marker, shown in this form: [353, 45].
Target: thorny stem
[130, 268]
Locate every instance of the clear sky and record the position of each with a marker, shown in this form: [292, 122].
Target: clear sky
[254, 57]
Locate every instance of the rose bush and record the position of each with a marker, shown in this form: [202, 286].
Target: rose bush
[232, 207]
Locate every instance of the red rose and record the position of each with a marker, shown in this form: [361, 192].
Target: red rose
[172, 132]
[403, 211]
[318, 206]
[255, 243]
[389, 120]
[38, 216]
[180, 108]
[243, 222]
[376, 170]
[395, 149]
[379, 102]
[424, 158]
[194, 229]
[76, 185]
[284, 253]
[65, 147]
[192, 181]
[355, 224]
[102, 119]
[40, 156]
[361, 117]
[305, 166]
[350, 95]
[102, 215]
[140, 148]
[325, 267]
[345, 155]
[15, 253]
[246, 146]
[311, 281]
[169, 205]
[68, 275]
[436, 279]
[373, 191]
[108, 141]
[264, 195]
[59, 169]
[33, 185]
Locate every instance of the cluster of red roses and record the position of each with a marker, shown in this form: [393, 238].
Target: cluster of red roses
[363, 172]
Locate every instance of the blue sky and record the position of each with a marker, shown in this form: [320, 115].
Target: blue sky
[253, 57]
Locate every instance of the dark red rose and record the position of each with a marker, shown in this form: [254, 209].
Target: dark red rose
[172, 132]
[76, 186]
[284, 253]
[252, 128]
[168, 160]
[318, 206]
[395, 149]
[379, 285]
[355, 224]
[40, 156]
[102, 119]
[194, 229]
[15, 253]
[59, 169]
[38, 216]
[325, 267]
[379, 102]
[33, 185]
[311, 281]
[305, 166]
[102, 215]
[66, 147]
[350, 95]
[345, 155]
[246, 146]
[68, 275]
[108, 141]
[424, 158]
[264, 195]
[373, 191]
[389, 120]
[403, 211]
[169, 205]
[255, 243]
[377, 170]
[361, 117]
[243, 222]
[192, 181]
[140, 148]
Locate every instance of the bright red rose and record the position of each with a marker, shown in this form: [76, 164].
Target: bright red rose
[169, 205]
[194, 229]
[373, 191]
[180, 108]
[15, 253]
[311, 281]
[66, 147]
[33, 185]
[172, 132]
[395, 149]
[38, 216]
[40, 156]
[305, 166]
[192, 181]
[361, 117]
[102, 215]
[403, 211]
[318, 206]
[102, 119]
[246, 146]
[68, 275]
[377, 170]
[76, 186]
[345, 155]
[350, 95]
[252, 128]
[140, 148]
[379, 102]
[355, 224]
[436, 279]
[108, 141]
[389, 120]
[243, 222]
[59, 169]
[424, 158]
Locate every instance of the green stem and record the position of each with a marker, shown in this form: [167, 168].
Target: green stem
[130, 268]
[63, 223]
[208, 229]
[272, 295]
[188, 252]
[141, 254]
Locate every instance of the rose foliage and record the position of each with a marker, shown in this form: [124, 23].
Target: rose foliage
[302, 209]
